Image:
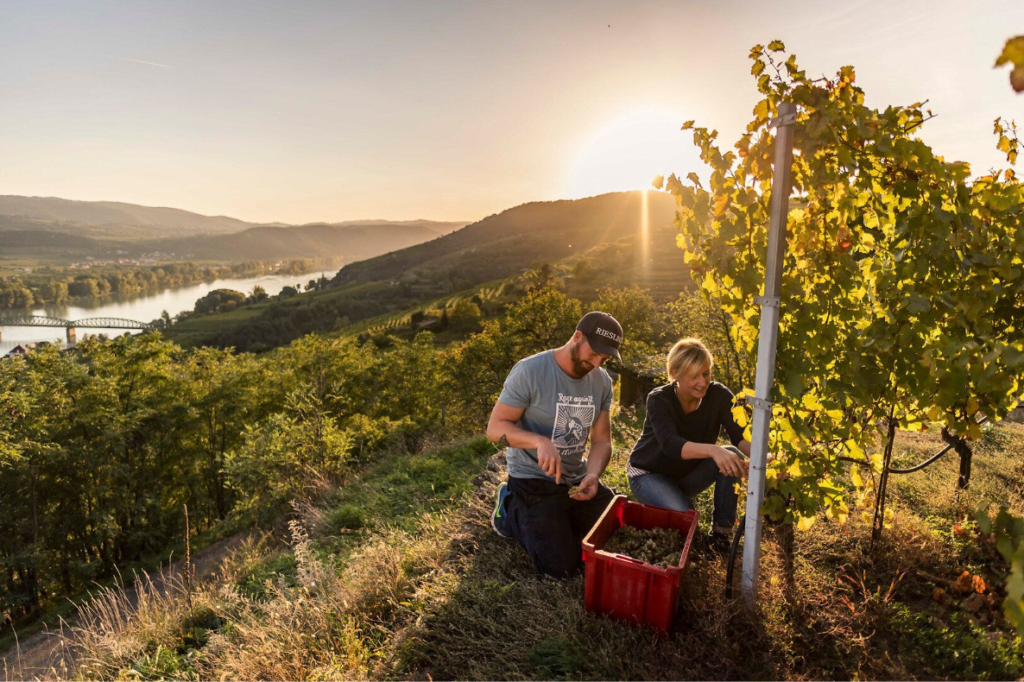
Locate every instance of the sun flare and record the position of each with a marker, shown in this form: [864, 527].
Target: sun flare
[628, 152]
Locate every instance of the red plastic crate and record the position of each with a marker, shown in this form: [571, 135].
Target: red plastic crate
[626, 588]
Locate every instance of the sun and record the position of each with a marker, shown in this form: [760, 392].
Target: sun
[626, 153]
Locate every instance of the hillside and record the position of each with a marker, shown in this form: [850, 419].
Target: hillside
[518, 237]
[150, 219]
[48, 231]
[441, 227]
[26, 233]
[352, 241]
[606, 231]
[398, 575]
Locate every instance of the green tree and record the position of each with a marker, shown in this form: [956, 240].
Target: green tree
[84, 287]
[696, 315]
[14, 294]
[636, 311]
[541, 277]
[258, 294]
[218, 299]
[285, 452]
[56, 291]
[225, 393]
[583, 270]
[476, 370]
[465, 316]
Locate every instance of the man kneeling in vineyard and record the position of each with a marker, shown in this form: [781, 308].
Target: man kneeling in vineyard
[551, 403]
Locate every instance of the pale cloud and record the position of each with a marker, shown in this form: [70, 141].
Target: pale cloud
[139, 61]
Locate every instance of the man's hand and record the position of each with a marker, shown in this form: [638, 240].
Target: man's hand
[588, 488]
[549, 459]
[729, 463]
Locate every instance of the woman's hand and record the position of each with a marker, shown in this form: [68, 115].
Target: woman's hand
[729, 463]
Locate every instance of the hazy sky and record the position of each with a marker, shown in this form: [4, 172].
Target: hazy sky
[298, 112]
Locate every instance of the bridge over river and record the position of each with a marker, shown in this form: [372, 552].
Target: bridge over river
[70, 325]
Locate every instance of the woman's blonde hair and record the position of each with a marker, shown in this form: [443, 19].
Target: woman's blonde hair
[685, 355]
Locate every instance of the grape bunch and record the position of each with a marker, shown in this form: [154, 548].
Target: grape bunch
[656, 546]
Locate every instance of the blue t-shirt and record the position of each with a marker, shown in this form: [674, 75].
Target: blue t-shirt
[557, 406]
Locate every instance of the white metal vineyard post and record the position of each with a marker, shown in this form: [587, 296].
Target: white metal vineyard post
[768, 336]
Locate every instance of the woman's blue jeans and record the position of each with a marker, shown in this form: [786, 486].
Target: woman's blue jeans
[677, 492]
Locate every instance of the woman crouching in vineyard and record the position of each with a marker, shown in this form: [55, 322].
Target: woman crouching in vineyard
[676, 457]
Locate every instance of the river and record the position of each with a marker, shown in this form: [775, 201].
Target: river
[141, 307]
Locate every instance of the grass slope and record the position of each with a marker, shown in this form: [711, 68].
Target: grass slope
[397, 575]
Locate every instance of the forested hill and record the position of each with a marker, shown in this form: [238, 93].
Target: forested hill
[37, 230]
[583, 232]
[509, 242]
[353, 241]
[118, 219]
[154, 220]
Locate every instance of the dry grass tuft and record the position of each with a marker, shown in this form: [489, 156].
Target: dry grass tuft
[117, 629]
[331, 625]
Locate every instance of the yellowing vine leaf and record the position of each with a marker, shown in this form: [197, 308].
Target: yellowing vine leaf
[855, 477]
[1013, 53]
[805, 522]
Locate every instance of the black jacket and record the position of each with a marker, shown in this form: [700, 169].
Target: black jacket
[667, 429]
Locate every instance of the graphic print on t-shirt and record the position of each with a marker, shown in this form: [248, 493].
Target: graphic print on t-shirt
[572, 423]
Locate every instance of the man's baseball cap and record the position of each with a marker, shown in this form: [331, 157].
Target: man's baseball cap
[603, 332]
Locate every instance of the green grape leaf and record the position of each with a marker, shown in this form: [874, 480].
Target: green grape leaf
[794, 385]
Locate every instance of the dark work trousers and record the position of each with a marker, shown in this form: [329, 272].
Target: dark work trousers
[550, 525]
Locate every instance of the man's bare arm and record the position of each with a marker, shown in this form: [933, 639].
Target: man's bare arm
[600, 444]
[503, 428]
[597, 460]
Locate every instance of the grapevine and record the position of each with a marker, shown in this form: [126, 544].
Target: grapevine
[901, 283]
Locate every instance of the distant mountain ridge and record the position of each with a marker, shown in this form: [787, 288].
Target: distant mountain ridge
[420, 222]
[57, 210]
[116, 213]
[69, 231]
[353, 241]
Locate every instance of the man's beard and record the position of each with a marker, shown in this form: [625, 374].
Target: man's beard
[579, 367]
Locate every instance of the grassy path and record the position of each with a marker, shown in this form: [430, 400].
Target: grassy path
[46, 655]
